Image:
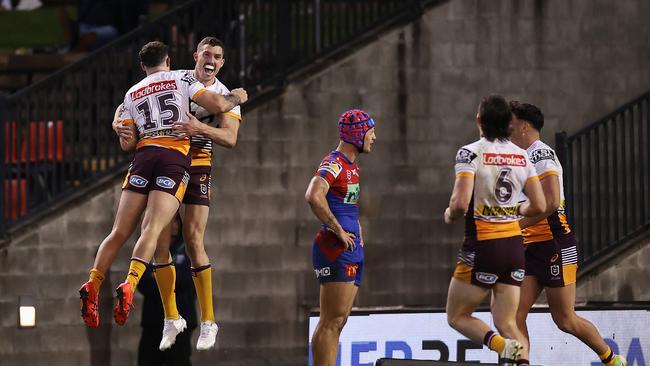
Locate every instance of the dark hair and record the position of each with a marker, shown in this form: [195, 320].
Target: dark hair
[528, 112]
[495, 115]
[212, 41]
[153, 53]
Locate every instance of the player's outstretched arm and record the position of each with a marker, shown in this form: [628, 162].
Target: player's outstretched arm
[551, 190]
[216, 103]
[315, 195]
[225, 135]
[536, 203]
[460, 197]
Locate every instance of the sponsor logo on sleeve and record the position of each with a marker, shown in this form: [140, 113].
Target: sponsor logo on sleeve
[504, 159]
[464, 156]
[332, 167]
[542, 154]
[165, 182]
[487, 278]
[138, 181]
[188, 78]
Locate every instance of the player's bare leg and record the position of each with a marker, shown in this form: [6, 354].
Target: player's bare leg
[462, 299]
[561, 302]
[336, 299]
[161, 208]
[504, 310]
[128, 214]
[196, 220]
[162, 254]
[530, 290]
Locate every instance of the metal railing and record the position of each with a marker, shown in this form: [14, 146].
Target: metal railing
[607, 178]
[56, 134]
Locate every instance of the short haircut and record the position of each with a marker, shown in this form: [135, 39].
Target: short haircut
[528, 112]
[153, 54]
[212, 41]
[495, 115]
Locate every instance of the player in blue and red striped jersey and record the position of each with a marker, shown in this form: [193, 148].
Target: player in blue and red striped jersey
[338, 254]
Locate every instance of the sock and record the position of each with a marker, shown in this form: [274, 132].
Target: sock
[607, 357]
[523, 362]
[202, 277]
[166, 279]
[96, 277]
[136, 269]
[494, 341]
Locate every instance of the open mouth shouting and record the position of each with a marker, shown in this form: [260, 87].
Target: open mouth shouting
[209, 69]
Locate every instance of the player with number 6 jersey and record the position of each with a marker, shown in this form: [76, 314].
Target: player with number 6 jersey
[491, 173]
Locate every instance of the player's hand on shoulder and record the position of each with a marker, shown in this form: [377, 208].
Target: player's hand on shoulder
[190, 126]
[241, 94]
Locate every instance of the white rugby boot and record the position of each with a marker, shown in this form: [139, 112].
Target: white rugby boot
[171, 329]
[511, 353]
[208, 335]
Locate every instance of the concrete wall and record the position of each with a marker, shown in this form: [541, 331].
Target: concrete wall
[576, 59]
[619, 280]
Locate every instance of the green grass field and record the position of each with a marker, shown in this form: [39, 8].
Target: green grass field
[38, 28]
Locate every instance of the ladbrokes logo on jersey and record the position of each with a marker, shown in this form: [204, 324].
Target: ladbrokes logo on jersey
[504, 159]
[154, 88]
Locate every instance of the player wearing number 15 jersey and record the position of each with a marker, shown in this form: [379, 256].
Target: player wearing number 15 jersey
[490, 175]
[158, 175]
[333, 194]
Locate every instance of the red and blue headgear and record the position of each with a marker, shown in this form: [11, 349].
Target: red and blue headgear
[353, 126]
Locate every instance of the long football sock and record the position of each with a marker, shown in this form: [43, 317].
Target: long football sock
[607, 358]
[136, 269]
[96, 277]
[202, 277]
[166, 279]
[494, 341]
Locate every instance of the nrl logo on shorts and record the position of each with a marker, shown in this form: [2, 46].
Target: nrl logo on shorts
[323, 272]
[518, 275]
[165, 182]
[204, 188]
[138, 181]
[555, 270]
[487, 278]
